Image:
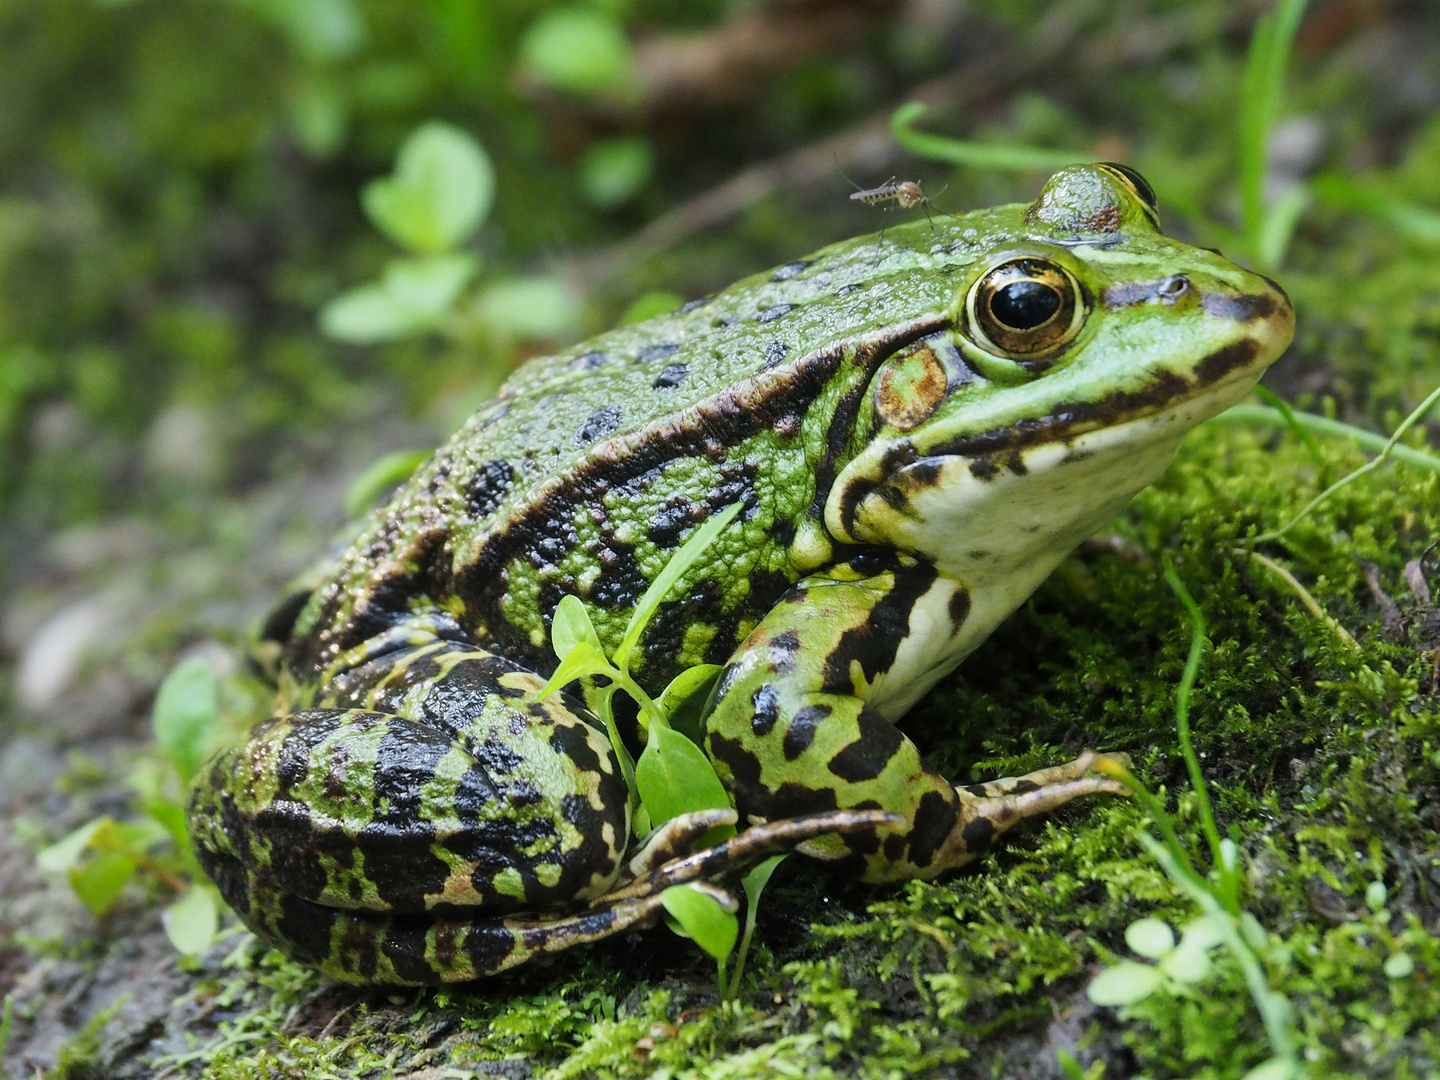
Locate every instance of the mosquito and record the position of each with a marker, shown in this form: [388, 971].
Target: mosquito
[905, 194]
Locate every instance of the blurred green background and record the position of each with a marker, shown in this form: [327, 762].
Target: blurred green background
[179, 187]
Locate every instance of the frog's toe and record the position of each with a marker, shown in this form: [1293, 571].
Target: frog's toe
[988, 811]
[677, 838]
[755, 844]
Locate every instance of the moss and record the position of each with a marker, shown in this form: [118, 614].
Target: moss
[1324, 765]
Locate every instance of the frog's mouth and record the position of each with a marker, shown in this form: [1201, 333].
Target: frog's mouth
[1221, 379]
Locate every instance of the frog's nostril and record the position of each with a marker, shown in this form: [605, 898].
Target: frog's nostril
[1172, 288]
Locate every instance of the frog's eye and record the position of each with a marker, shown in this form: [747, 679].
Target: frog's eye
[1136, 184]
[1025, 308]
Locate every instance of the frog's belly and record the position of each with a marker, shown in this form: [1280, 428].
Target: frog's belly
[999, 538]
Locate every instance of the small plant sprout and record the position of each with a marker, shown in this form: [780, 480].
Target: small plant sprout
[104, 855]
[1222, 921]
[672, 775]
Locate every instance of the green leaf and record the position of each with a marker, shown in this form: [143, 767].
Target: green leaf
[383, 474]
[571, 626]
[132, 837]
[688, 554]
[758, 877]
[98, 881]
[1151, 938]
[413, 297]
[439, 193]
[675, 777]
[1124, 984]
[321, 31]
[187, 708]
[704, 921]
[1399, 966]
[649, 304]
[974, 154]
[1376, 896]
[578, 50]
[1186, 964]
[7, 1020]
[191, 922]
[613, 172]
[65, 853]
[367, 315]
[1202, 933]
[538, 308]
[683, 701]
[582, 660]
[429, 286]
[171, 819]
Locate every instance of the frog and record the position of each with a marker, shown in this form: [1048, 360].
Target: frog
[917, 429]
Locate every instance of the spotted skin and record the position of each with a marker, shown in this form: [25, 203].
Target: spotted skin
[917, 431]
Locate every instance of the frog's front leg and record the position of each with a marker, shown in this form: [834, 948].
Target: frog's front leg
[796, 724]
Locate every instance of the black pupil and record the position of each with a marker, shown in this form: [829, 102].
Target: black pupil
[1024, 305]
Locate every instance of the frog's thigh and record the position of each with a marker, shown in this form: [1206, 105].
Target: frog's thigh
[792, 733]
[450, 792]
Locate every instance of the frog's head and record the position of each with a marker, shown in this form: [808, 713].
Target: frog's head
[1080, 348]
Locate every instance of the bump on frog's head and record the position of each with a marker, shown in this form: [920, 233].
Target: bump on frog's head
[1080, 346]
[1091, 203]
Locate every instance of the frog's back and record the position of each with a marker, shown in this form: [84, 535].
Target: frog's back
[591, 466]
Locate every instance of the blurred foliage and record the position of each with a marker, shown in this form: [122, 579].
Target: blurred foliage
[179, 194]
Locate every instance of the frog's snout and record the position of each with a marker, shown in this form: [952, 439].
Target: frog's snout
[1259, 321]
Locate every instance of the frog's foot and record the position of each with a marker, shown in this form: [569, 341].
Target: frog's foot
[988, 811]
[677, 838]
[745, 849]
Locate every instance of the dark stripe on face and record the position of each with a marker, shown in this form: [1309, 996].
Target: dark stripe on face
[1070, 419]
[1247, 307]
[1220, 363]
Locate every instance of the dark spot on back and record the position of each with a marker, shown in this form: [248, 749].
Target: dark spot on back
[770, 314]
[601, 423]
[846, 290]
[587, 361]
[959, 608]
[977, 835]
[933, 820]
[693, 305]
[984, 469]
[789, 270]
[487, 490]
[766, 703]
[672, 376]
[775, 353]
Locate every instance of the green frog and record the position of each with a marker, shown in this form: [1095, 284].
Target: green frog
[918, 429]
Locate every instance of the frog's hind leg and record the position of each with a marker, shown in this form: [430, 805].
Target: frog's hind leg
[366, 947]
